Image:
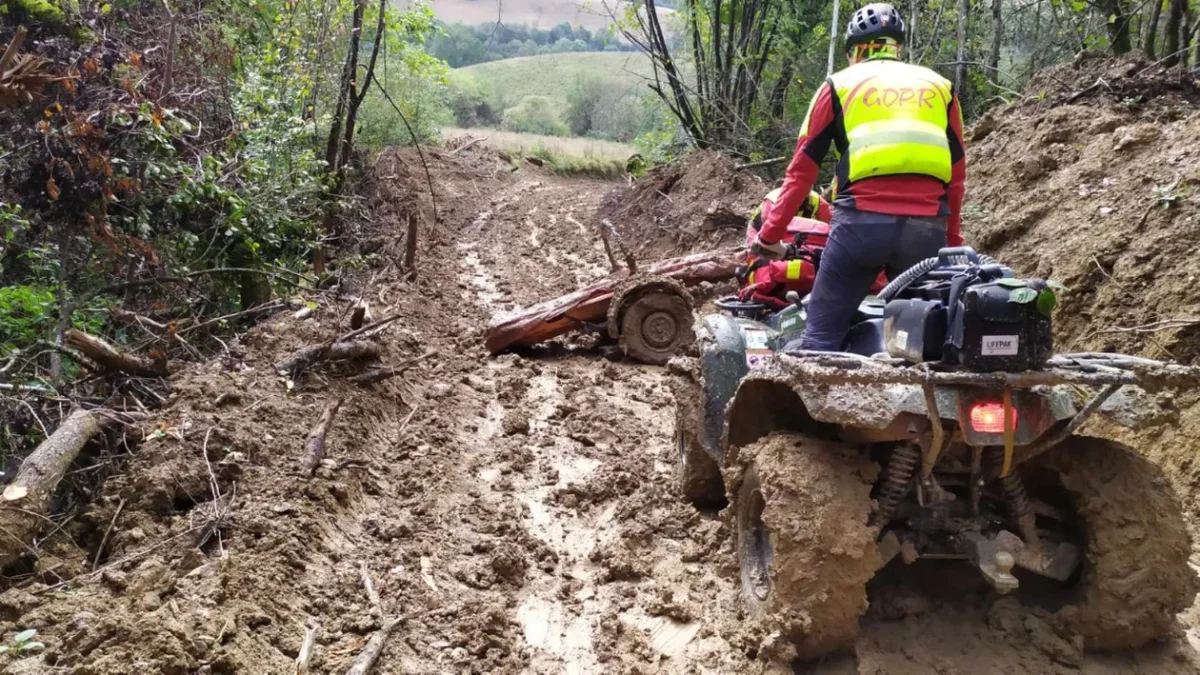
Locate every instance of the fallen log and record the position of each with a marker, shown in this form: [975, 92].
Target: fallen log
[112, 359]
[590, 304]
[314, 448]
[337, 351]
[25, 502]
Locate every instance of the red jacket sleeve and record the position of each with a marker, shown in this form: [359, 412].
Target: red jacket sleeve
[811, 148]
[958, 175]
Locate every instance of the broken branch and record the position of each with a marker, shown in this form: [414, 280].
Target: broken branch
[112, 359]
[366, 659]
[379, 374]
[314, 449]
[338, 351]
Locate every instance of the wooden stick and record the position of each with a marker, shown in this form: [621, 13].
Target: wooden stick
[111, 358]
[13, 47]
[762, 162]
[410, 247]
[104, 541]
[370, 327]
[367, 657]
[612, 258]
[310, 636]
[464, 147]
[379, 374]
[372, 594]
[315, 447]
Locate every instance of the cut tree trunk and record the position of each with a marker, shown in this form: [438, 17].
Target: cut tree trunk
[590, 304]
[26, 500]
[111, 358]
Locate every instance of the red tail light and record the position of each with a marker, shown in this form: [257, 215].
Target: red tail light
[987, 417]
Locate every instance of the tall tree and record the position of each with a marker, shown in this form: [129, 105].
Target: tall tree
[1118, 17]
[1171, 38]
[1150, 36]
[731, 43]
[997, 35]
[960, 65]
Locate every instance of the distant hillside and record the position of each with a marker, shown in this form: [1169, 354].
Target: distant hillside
[551, 75]
[540, 13]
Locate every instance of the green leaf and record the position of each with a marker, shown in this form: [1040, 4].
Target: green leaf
[32, 646]
[1046, 302]
[25, 635]
[1056, 285]
[1010, 283]
[1079, 5]
[1023, 296]
[3, 649]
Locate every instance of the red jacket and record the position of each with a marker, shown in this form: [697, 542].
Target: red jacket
[901, 195]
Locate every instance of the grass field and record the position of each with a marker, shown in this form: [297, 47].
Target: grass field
[564, 155]
[551, 75]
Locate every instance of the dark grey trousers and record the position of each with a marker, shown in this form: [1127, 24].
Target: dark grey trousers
[860, 244]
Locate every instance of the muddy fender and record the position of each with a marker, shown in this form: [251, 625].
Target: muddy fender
[722, 367]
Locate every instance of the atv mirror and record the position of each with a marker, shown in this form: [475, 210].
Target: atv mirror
[793, 297]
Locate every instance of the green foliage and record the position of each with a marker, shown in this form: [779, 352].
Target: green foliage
[22, 643]
[535, 115]
[29, 313]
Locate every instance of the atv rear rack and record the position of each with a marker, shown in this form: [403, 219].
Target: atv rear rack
[1108, 372]
[1085, 369]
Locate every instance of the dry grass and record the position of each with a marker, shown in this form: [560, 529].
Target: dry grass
[564, 155]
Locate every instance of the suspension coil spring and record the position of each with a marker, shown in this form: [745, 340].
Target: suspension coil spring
[902, 465]
[1018, 504]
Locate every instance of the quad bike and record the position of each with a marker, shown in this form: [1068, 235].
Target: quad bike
[944, 429]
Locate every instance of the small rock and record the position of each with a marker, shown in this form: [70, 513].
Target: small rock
[515, 422]
[1106, 210]
[151, 601]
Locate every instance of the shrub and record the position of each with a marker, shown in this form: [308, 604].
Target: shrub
[535, 115]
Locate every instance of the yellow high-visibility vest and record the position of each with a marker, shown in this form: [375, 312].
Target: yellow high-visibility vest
[895, 116]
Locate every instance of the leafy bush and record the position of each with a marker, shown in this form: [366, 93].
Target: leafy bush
[535, 115]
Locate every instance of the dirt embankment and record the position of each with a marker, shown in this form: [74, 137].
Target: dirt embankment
[1092, 178]
[698, 203]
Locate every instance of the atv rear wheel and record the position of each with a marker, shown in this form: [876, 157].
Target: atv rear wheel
[652, 316]
[1136, 576]
[804, 546]
[696, 472]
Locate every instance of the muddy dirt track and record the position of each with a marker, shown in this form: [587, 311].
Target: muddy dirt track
[517, 511]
